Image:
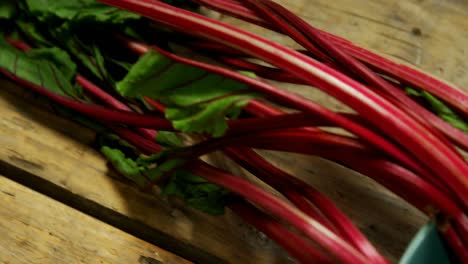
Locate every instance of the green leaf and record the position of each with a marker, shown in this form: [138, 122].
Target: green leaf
[169, 139]
[127, 167]
[197, 192]
[77, 11]
[7, 9]
[49, 68]
[32, 32]
[58, 58]
[197, 101]
[439, 108]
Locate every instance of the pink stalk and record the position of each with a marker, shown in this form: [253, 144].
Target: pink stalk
[291, 140]
[374, 80]
[262, 71]
[278, 178]
[157, 106]
[456, 245]
[397, 179]
[111, 101]
[278, 208]
[145, 142]
[287, 98]
[91, 88]
[291, 242]
[414, 190]
[264, 142]
[456, 136]
[96, 111]
[411, 135]
[454, 97]
[304, 205]
[282, 121]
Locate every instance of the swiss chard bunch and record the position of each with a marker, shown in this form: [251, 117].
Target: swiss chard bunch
[70, 38]
[122, 70]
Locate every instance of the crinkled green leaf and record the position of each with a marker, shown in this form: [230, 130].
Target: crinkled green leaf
[127, 167]
[77, 11]
[168, 138]
[58, 58]
[197, 101]
[8, 9]
[442, 110]
[197, 192]
[50, 68]
[31, 31]
[194, 190]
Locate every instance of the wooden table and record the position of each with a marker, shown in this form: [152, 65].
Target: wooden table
[61, 203]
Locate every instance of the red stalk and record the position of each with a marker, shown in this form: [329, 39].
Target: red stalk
[144, 143]
[456, 136]
[456, 245]
[91, 88]
[284, 97]
[294, 244]
[375, 81]
[426, 148]
[111, 101]
[156, 105]
[397, 179]
[304, 205]
[275, 144]
[262, 71]
[95, 111]
[291, 242]
[276, 228]
[278, 208]
[278, 178]
[291, 140]
[282, 121]
[454, 97]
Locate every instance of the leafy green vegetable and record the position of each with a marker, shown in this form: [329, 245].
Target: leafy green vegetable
[79, 31]
[7, 9]
[194, 190]
[32, 32]
[50, 68]
[440, 109]
[197, 101]
[127, 167]
[169, 139]
[77, 11]
[197, 192]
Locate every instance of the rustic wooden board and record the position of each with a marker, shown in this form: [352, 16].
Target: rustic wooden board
[38, 229]
[36, 143]
[51, 154]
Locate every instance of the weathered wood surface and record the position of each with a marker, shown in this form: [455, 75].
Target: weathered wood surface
[38, 229]
[431, 34]
[46, 146]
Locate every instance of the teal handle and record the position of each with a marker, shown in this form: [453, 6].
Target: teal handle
[426, 248]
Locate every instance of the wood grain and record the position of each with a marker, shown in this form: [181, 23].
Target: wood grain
[37, 143]
[430, 34]
[38, 229]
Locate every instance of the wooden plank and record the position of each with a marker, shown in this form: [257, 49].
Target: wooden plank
[48, 153]
[38, 229]
[38, 144]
